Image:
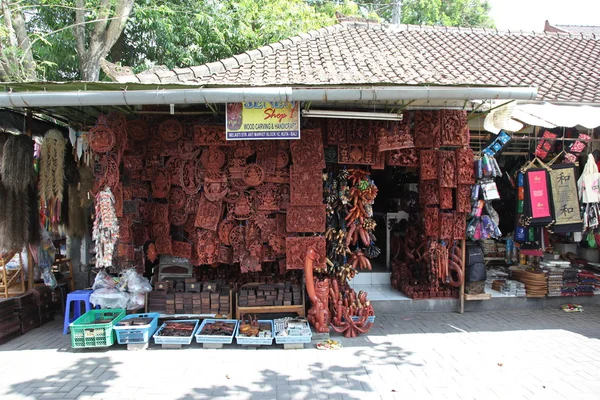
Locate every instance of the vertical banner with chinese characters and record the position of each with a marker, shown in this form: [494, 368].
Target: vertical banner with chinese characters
[566, 201]
[263, 120]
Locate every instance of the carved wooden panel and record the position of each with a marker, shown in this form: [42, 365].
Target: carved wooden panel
[177, 198]
[306, 186]
[213, 159]
[215, 191]
[137, 129]
[101, 138]
[140, 190]
[447, 169]
[336, 131]
[161, 213]
[465, 174]
[306, 218]
[186, 149]
[189, 178]
[118, 194]
[132, 163]
[428, 193]
[160, 230]
[161, 183]
[360, 132]
[191, 203]
[284, 197]
[393, 135]
[224, 230]
[446, 201]
[163, 245]
[244, 208]
[225, 255]
[253, 175]
[207, 247]
[455, 129]
[171, 130]
[266, 156]
[432, 224]
[308, 150]
[403, 158]
[427, 129]
[429, 167]
[208, 214]
[267, 196]
[358, 154]
[460, 226]
[178, 217]
[209, 135]
[446, 225]
[181, 249]
[463, 198]
[296, 248]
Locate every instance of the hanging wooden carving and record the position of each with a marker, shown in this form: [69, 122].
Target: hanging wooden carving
[213, 159]
[429, 168]
[225, 255]
[207, 247]
[279, 176]
[282, 159]
[284, 197]
[117, 122]
[209, 135]
[306, 218]
[266, 156]
[232, 196]
[190, 224]
[238, 184]
[181, 249]
[178, 217]
[447, 168]
[393, 135]
[277, 244]
[336, 131]
[154, 146]
[140, 234]
[209, 214]
[101, 138]
[161, 213]
[432, 223]
[148, 211]
[465, 166]
[191, 203]
[161, 184]
[126, 251]
[403, 158]
[133, 163]
[188, 177]
[455, 128]
[331, 154]
[125, 235]
[215, 191]
[244, 208]
[186, 149]
[140, 190]
[427, 129]
[446, 202]
[163, 245]
[236, 166]
[137, 129]
[306, 186]
[224, 230]
[177, 198]
[308, 151]
[160, 230]
[446, 225]
[267, 195]
[170, 130]
[253, 175]
[428, 193]
[237, 238]
[359, 132]
[460, 226]
[296, 248]
[463, 198]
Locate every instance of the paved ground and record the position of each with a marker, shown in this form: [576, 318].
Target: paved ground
[537, 354]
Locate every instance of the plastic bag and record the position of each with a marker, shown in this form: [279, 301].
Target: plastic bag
[110, 298]
[135, 282]
[588, 182]
[136, 301]
[104, 281]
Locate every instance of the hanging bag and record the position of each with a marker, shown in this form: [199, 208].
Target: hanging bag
[588, 182]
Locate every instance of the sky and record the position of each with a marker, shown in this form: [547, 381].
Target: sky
[531, 14]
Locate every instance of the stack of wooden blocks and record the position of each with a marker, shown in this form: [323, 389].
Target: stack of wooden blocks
[28, 312]
[198, 298]
[10, 326]
[279, 294]
[43, 298]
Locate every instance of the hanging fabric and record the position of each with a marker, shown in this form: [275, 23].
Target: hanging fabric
[106, 228]
[588, 182]
[538, 208]
[563, 178]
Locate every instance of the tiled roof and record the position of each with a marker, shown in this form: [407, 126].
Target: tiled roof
[565, 67]
[581, 29]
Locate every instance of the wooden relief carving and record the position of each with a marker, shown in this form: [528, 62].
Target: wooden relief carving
[279, 176]
[160, 230]
[213, 159]
[282, 159]
[127, 193]
[148, 211]
[358, 154]
[308, 151]
[188, 177]
[306, 218]
[447, 168]
[161, 213]
[207, 247]
[101, 138]
[393, 135]
[455, 129]
[429, 167]
[427, 129]
[237, 238]
[178, 217]
[359, 132]
[209, 135]
[236, 167]
[460, 226]
[163, 245]
[403, 158]
[428, 193]
[432, 223]
[267, 195]
[161, 183]
[170, 130]
[465, 167]
[140, 190]
[225, 255]
[133, 163]
[224, 230]
[446, 225]
[181, 249]
[306, 186]
[154, 146]
[446, 201]
[284, 197]
[244, 208]
[186, 149]
[177, 198]
[191, 204]
[125, 235]
[209, 214]
[137, 129]
[253, 175]
[215, 191]
[463, 198]
[232, 196]
[268, 226]
[130, 208]
[266, 156]
[336, 131]
[296, 248]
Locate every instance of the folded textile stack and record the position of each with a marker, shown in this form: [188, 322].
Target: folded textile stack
[555, 280]
[513, 288]
[570, 281]
[588, 282]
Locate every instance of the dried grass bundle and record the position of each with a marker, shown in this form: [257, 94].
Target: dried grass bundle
[78, 221]
[17, 163]
[52, 166]
[86, 185]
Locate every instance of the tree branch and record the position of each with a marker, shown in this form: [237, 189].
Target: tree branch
[79, 29]
[25, 45]
[117, 25]
[100, 26]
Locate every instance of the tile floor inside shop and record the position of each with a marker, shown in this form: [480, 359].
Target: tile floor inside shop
[524, 354]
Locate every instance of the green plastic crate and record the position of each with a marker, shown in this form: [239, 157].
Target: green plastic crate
[85, 333]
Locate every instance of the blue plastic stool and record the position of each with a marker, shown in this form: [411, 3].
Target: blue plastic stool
[76, 297]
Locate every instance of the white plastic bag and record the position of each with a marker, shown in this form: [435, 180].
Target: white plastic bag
[135, 282]
[103, 281]
[110, 298]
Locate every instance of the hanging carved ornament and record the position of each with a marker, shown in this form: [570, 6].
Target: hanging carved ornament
[140, 234]
[279, 176]
[284, 197]
[160, 230]
[331, 154]
[191, 203]
[178, 217]
[232, 196]
[181, 249]
[237, 237]
[379, 163]
[432, 223]
[173, 166]
[126, 251]
[249, 264]
[460, 226]
[236, 168]
[151, 254]
[261, 220]
[161, 184]
[208, 214]
[137, 129]
[170, 149]
[306, 186]
[170, 130]
[393, 135]
[428, 193]
[428, 125]
[125, 235]
[163, 245]
[266, 156]
[446, 225]
[207, 247]
[429, 168]
[403, 158]
[253, 175]
[282, 159]
[446, 202]
[118, 123]
[212, 159]
[277, 244]
[244, 208]
[336, 131]
[215, 191]
[358, 154]
[101, 138]
[137, 149]
[360, 132]
[306, 218]
[190, 224]
[225, 255]
[296, 248]
[133, 163]
[186, 150]
[267, 195]
[209, 135]
[243, 149]
[465, 167]
[140, 190]
[148, 211]
[268, 254]
[224, 230]
[177, 198]
[308, 151]
[447, 169]
[147, 173]
[463, 198]
[455, 128]
[187, 176]
[155, 146]
[107, 173]
[161, 213]
[238, 184]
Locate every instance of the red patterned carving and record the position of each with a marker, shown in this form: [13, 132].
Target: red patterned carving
[267, 196]
[277, 243]
[253, 175]
[190, 224]
[308, 151]
[282, 159]
[118, 124]
[163, 245]
[140, 234]
[133, 163]
[207, 247]
[215, 191]
[137, 129]
[427, 129]
[428, 193]
[432, 224]
[212, 159]
[446, 225]
[446, 202]
[209, 214]
[429, 167]
[232, 196]
[447, 169]
[188, 177]
[101, 138]
[177, 198]
[463, 198]
[393, 135]
[225, 255]
[126, 251]
[465, 167]
[170, 130]
[238, 184]
[358, 154]
[236, 167]
[148, 211]
[152, 254]
[279, 176]
[237, 237]
[403, 158]
[127, 194]
[154, 146]
[209, 135]
[161, 213]
[296, 248]
[182, 249]
[170, 149]
[178, 217]
[224, 230]
[160, 230]
[191, 204]
[244, 208]
[359, 132]
[125, 230]
[173, 167]
[161, 183]
[284, 197]
[186, 150]
[336, 131]
[460, 226]
[266, 156]
[118, 194]
[306, 186]
[140, 190]
[455, 129]
[306, 218]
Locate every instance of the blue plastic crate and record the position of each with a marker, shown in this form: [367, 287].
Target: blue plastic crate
[216, 339]
[295, 339]
[256, 341]
[370, 319]
[137, 333]
[175, 339]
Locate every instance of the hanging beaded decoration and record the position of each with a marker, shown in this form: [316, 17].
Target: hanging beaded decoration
[170, 130]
